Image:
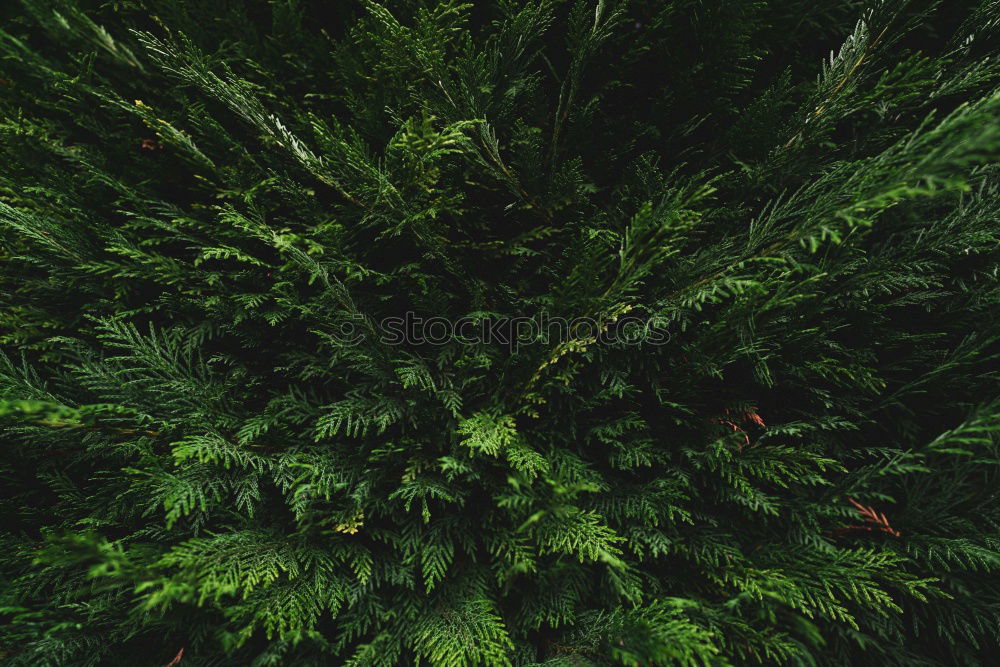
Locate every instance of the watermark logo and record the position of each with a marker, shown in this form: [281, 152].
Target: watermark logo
[508, 332]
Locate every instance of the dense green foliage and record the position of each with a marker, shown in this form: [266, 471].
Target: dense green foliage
[210, 455]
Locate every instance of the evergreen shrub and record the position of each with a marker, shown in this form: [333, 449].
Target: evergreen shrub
[274, 388]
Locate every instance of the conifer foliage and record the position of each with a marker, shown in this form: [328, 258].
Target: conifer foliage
[212, 454]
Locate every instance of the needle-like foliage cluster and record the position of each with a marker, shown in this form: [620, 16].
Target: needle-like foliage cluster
[212, 454]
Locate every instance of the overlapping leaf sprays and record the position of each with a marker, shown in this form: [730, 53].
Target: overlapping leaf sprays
[211, 456]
